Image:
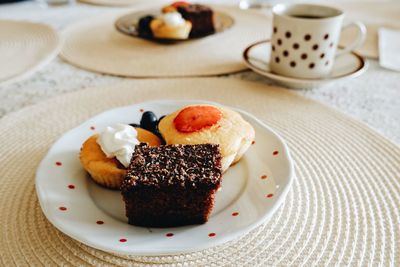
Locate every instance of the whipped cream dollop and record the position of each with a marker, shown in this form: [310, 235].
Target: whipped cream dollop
[119, 141]
[173, 19]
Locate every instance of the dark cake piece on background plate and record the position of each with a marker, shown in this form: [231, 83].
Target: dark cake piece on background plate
[171, 185]
[201, 17]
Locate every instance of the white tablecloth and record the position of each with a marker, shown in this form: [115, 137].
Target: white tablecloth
[373, 98]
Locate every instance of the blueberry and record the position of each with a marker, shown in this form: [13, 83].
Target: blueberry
[149, 121]
[144, 26]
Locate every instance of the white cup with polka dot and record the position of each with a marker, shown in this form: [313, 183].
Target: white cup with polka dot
[305, 39]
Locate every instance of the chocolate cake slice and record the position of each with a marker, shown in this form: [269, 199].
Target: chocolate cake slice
[171, 185]
[201, 17]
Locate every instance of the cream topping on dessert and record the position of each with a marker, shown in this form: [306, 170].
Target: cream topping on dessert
[119, 141]
[173, 19]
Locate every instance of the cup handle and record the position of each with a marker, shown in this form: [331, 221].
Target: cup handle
[362, 32]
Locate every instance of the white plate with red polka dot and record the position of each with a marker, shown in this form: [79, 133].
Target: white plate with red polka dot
[345, 66]
[252, 190]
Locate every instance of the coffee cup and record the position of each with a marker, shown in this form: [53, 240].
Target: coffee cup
[305, 39]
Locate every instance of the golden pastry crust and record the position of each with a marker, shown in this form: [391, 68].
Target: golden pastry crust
[147, 137]
[108, 172]
[105, 171]
[231, 132]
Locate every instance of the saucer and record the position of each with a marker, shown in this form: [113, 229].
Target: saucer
[349, 65]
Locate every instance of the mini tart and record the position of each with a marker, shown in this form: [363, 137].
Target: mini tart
[231, 132]
[109, 172]
[163, 31]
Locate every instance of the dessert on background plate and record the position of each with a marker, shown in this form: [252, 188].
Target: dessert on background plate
[201, 17]
[178, 21]
[170, 25]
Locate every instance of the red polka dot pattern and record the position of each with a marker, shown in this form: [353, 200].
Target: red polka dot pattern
[71, 186]
[276, 152]
[234, 214]
[253, 142]
[264, 177]
[62, 208]
[99, 222]
[169, 234]
[58, 163]
[141, 110]
[212, 234]
[123, 240]
[270, 195]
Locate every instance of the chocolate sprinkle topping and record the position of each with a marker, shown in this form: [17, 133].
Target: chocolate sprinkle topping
[173, 165]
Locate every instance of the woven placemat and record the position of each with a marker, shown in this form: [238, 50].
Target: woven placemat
[95, 45]
[374, 14]
[118, 2]
[25, 47]
[343, 207]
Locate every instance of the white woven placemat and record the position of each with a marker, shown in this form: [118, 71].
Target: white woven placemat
[343, 208]
[25, 47]
[96, 45]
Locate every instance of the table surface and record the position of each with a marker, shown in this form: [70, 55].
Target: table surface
[373, 98]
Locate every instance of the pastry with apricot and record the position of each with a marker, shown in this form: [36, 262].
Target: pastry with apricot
[208, 124]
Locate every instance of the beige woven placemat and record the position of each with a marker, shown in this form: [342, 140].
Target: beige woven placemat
[25, 47]
[374, 14]
[95, 45]
[118, 2]
[343, 208]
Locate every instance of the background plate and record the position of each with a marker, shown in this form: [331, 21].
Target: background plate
[128, 25]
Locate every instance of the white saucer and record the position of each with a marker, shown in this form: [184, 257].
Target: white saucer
[349, 65]
[252, 190]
